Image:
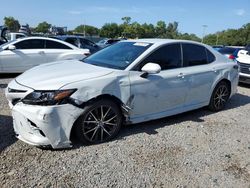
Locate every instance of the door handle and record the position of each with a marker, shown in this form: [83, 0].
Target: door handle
[181, 75]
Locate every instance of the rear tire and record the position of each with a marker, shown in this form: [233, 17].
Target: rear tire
[219, 97]
[100, 122]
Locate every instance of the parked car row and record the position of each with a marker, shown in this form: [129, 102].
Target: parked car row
[96, 95]
[22, 54]
[79, 42]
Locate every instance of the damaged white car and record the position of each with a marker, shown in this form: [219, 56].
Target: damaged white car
[129, 82]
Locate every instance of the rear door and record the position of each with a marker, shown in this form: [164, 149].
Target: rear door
[199, 72]
[55, 50]
[28, 53]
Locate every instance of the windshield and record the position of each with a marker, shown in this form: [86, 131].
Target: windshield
[119, 55]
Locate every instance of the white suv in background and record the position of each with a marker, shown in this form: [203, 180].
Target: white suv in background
[244, 62]
[24, 53]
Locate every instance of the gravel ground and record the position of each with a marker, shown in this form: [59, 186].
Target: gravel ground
[194, 149]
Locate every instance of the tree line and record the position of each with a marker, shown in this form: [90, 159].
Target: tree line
[129, 29]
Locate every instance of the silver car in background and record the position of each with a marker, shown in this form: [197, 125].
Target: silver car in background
[129, 82]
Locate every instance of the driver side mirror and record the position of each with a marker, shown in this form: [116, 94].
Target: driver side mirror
[11, 47]
[150, 68]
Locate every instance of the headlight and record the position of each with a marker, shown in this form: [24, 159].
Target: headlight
[48, 97]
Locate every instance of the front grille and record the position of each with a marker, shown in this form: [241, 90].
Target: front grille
[244, 68]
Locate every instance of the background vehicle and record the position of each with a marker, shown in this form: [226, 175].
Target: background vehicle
[243, 60]
[110, 87]
[217, 47]
[79, 42]
[107, 42]
[22, 54]
[14, 36]
[229, 52]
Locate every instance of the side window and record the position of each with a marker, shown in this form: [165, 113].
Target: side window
[194, 55]
[168, 57]
[210, 56]
[72, 41]
[83, 43]
[30, 44]
[55, 45]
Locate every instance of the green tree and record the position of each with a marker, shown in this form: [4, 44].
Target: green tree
[161, 29]
[187, 36]
[149, 30]
[88, 29]
[43, 27]
[245, 33]
[12, 24]
[110, 30]
[211, 39]
[172, 30]
[126, 20]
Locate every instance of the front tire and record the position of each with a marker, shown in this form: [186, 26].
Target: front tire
[100, 122]
[219, 97]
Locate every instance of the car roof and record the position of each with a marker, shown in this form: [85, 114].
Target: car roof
[158, 41]
[46, 38]
[68, 36]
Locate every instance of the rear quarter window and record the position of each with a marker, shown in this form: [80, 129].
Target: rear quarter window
[55, 45]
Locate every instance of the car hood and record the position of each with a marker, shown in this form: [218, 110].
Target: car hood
[53, 76]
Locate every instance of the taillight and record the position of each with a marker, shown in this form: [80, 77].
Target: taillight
[231, 56]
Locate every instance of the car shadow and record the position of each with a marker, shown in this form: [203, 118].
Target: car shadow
[150, 127]
[9, 75]
[7, 134]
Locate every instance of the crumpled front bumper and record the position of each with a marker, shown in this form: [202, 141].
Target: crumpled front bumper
[45, 125]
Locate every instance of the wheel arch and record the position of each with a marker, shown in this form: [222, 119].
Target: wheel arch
[227, 81]
[113, 98]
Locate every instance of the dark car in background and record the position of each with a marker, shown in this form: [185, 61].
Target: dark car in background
[230, 52]
[79, 42]
[107, 42]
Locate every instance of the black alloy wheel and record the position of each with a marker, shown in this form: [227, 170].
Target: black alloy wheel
[219, 97]
[100, 122]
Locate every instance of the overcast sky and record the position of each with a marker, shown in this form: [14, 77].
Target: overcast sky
[190, 14]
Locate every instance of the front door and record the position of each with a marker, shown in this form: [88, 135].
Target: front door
[160, 94]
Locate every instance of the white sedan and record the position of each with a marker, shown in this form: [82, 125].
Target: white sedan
[129, 82]
[24, 53]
